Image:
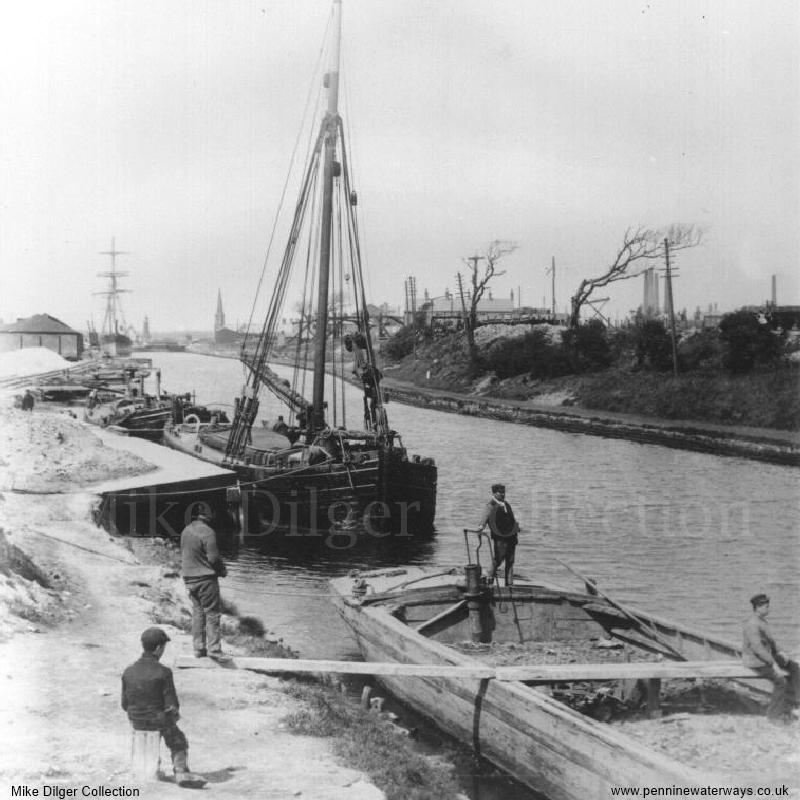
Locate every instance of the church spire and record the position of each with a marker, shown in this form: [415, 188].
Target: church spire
[219, 317]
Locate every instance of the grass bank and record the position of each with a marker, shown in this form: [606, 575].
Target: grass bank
[762, 399]
[368, 742]
[767, 399]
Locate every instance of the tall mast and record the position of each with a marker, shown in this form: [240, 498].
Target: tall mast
[113, 309]
[330, 126]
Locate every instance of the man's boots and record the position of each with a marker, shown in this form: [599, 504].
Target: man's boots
[180, 766]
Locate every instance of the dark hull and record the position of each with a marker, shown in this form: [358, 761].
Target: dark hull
[384, 496]
[377, 494]
[121, 344]
[146, 423]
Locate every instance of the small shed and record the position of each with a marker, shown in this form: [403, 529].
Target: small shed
[42, 330]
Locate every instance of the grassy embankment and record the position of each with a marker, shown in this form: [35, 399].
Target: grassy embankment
[766, 399]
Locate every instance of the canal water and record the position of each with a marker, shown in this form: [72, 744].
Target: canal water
[685, 535]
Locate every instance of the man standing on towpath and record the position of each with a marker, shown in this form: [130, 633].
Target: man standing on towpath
[202, 566]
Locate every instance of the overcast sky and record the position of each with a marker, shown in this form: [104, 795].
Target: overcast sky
[553, 123]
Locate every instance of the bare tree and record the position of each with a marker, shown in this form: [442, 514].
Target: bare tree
[479, 279]
[638, 246]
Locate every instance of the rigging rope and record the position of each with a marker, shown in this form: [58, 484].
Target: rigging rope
[313, 83]
[248, 405]
[80, 547]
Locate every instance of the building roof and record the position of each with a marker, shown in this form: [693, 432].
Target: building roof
[498, 304]
[486, 305]
[38, 323]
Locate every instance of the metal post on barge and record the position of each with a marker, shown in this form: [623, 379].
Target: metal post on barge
[477, 597]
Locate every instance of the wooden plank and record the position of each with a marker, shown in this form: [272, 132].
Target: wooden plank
[646, 670]
[636, 669]
[298, 665]
[430, 626]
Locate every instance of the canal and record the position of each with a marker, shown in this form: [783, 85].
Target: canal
[681, 534]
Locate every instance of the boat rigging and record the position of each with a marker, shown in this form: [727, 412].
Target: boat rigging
[325, 469]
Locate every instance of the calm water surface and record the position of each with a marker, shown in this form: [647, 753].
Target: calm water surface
[686, 535]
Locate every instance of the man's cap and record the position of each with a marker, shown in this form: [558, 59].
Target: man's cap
[759, 600]
[498, 487]
[204, 513]
[153, 637]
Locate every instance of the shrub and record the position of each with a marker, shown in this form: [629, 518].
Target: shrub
[653, 345]
[747, 342]
[531, 353]
[587, 347]
[701, 350]
[622, 342]
[402, 343]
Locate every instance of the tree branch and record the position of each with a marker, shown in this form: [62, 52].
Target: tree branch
[642, 244]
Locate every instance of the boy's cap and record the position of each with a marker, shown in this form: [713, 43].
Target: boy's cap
[153, 637]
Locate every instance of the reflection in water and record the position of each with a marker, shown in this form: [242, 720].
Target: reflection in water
[685, 535]
[334, 552]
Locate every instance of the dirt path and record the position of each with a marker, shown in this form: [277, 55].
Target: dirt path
[63, 649]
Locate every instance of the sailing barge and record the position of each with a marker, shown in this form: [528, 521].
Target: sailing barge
[411, 617]
[315, 469]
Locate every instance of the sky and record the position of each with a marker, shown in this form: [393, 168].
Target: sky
[554, 124]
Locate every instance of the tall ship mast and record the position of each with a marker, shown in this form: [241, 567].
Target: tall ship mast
[113, 336]
[313, 467]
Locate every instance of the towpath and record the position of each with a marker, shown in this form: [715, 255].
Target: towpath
[691, 434]
[60, 718]
[63, 649]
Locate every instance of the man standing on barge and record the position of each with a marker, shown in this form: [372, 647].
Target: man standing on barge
[202, 566]
[760, 652]
[503, 527]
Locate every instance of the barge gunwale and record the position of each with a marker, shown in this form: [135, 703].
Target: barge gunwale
[536, 739]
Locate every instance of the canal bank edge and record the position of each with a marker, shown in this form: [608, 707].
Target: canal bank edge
[777, 447]
[758, 444]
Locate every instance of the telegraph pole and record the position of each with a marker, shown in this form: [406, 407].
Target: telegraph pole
[411, 303]
[670, 303]
[463, 302]
[552, 272]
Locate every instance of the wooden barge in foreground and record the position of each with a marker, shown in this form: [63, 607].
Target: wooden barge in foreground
[408, 616]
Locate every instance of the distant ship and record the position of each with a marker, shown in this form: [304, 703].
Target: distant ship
[113, 338]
